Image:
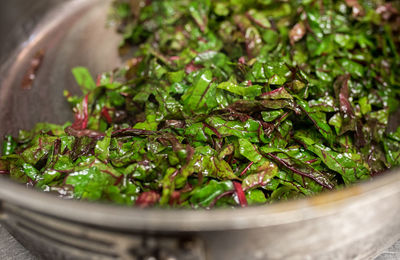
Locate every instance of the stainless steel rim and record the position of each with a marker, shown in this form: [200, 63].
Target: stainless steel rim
[126, 218]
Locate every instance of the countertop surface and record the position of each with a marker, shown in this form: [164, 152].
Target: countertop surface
[10, 249]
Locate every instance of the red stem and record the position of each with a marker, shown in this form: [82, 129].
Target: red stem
[219, 136]
[85, 112]
[106, 115]
[82, 117]
[272, 91]
[311, 161]
[317, 180]
[246, 169]
[98, 80]
[226, 193]
[118, 181]
[240, 194]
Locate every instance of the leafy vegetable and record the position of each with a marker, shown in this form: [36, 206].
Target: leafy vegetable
[226, 103]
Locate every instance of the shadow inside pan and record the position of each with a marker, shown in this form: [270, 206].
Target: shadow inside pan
[74, 34]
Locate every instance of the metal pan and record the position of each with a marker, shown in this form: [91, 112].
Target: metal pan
[353, 223]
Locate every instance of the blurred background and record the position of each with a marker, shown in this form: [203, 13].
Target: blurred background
[13, 24]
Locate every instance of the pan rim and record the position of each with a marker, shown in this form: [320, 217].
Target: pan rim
[188, 220]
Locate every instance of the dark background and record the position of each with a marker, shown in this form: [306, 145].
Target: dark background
[14, 26]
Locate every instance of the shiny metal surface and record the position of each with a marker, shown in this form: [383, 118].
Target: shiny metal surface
[72, 35]
[354, 223]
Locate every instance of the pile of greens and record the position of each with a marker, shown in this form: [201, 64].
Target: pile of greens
[226, 103]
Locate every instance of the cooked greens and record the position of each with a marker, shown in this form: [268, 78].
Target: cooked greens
[226, 103]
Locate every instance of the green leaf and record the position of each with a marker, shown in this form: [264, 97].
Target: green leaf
[204, 196]
[209, 166]
[4, 165]
[150, 124]
[263, 174]
[168, 185]
[195, 97]
[319, 121]
[279, 93]
[92, 182]
[127, 153]
[271, 39]
[395, 135]
[323, 104]
[31, 171]
[248, 91]
[354, 68]
[249, 150]
[199, 12]
[176, 76]
[9, 145]
[392, 150]
[84, 79]
[381, 116]
[226, 151]
[39, 149]
[221, 9]
[275, 73]
[349, 165]
[259, 18]
[102, 149]
[156, 70]
[365, 106]
[248, 129]
[269, 116]
[303, 165]
[336, 121]
[255, 197]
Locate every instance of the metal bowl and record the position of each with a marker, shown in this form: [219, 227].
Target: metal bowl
[353, 223]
